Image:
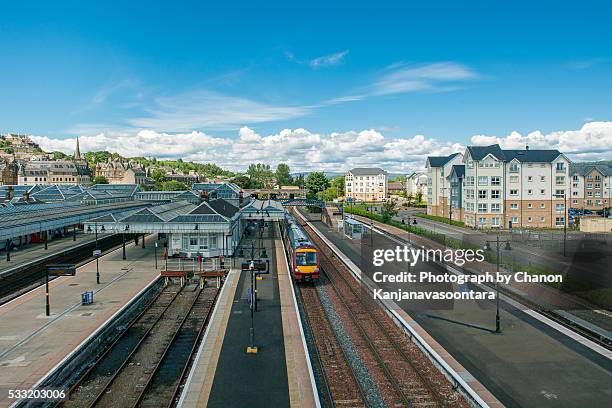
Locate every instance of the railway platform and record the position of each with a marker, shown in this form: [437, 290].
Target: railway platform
[35, 252]
[279, 374]
[528, 364]
[33, 344]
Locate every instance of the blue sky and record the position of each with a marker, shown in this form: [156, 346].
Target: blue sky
[445, 70]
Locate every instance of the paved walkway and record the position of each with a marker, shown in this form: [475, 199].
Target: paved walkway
[32, 344]
[528, 365]
[278, 375]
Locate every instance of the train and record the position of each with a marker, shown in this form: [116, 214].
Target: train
[304, 254]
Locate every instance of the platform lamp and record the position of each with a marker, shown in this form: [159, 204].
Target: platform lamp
[96, 250]
[487, 247]
[252, 348]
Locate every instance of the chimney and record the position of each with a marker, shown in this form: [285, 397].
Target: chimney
[204, 195]
[526, 147]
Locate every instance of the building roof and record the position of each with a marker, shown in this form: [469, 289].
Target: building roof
[522, 155]
[367, 171]
[396, 185]
[459, 170]
[439, 161]
[223, 207]
[584, 168]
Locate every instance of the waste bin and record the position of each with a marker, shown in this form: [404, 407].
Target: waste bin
[87, 298]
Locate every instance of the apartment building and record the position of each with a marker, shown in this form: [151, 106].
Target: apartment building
[416, 183]
[438, 183]
[591, 186]
[514, 188]
[366, 184]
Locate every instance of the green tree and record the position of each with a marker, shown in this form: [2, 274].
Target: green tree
[170, 186]
[283, 175]
[419, 198]
[59, 155]
[261, 175]
[316, 182]
[243, 181]
[159, 175]
[99, 180]
[388, 210]
[337, 183]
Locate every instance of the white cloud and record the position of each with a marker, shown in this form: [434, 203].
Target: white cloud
[328, 60]
[211, 110]
[335, 152]
[402, 78]
[593, 141]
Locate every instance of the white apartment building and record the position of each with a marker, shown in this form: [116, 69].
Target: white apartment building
[591, 186]
[518, 188]
[439, 184]
[366, 184]
[416, 183]
[53, 172]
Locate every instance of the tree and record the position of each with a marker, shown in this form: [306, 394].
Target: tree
[400, 179]
[316, 182]
[171, 186]
[419, 198]
[261, 175]
[243, 181]
[59, 155]
[410, 198]
[99, 180]
[388, 210]
[158, 175]
[337, 184]
[283, 175]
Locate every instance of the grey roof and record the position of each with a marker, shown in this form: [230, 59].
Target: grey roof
[223, 207]
[459, 170]
[522, 155]
[439, 161]
[367, 171]
[584, 168]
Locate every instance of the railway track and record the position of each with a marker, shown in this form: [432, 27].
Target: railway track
[403, 374]
[340, 380]
[15, 283]
[154, 351]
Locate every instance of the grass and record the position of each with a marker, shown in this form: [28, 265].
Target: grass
[441, 219]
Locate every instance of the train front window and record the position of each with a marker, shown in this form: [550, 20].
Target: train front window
[306, 258]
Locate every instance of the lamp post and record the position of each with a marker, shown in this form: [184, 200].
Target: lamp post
[497, 264]
[96, 253]
[8, 250]
[155, 254]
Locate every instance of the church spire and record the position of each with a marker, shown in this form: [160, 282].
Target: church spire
[77, 152]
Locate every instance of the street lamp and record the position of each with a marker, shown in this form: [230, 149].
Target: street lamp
[96, 253]
[155, 254]
[497, 263]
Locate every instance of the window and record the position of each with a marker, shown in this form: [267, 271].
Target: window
[495, 221]
[560, 167]
[514, 206]
[542, 191]
[541, 219]
[560, 180]
[495, 194]
[560, 193]
[496, 207]
[529, 205]
[514, 220]
[597, 178]
[483, 180]
[495, 180]
[514, 167]
[514, 179]
[482, 193]
[576, 178]
[559, 221]
[530, 178]
[542, 205]
[482, 220]
[482, 207]
[589, 194]
[589, 185]
[529, 219]
[597, 185]
[530, 191]
[513, 192]
[560, 207]
[306, 258]
[542, 178]
[574, 201]
[470, 164]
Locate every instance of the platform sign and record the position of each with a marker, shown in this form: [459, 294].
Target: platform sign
[62, 270]
[260, 267]
[97, 252]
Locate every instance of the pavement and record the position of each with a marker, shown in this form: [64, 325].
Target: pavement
[278, 374]
[32, 344]
[528, 364]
